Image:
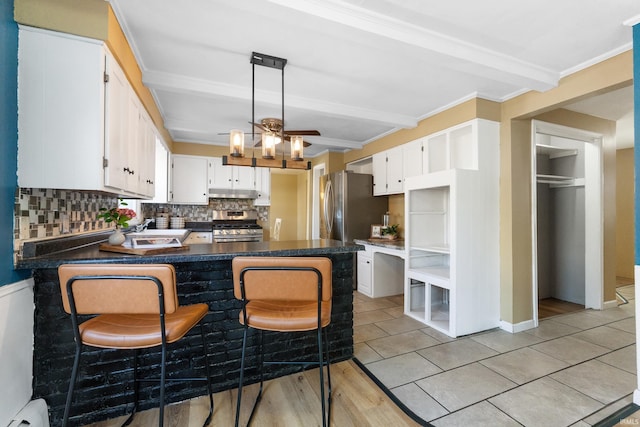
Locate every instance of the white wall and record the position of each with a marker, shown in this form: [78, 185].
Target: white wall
[16, 348]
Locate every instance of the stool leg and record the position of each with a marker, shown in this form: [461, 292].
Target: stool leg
[136, 389]
[206, 364]
[72, 382]
[328, 362]
[244, 348]
[321, 370]
[163, 372]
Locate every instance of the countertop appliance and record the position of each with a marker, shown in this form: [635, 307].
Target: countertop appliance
[348, 207]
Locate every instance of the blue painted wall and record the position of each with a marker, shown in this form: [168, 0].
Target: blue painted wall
[8, 139]
[636, 129]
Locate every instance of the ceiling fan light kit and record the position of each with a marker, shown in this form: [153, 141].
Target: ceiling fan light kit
[273, 130]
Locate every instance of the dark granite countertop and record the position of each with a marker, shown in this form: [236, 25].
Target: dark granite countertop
[383, 243]
[196, 253]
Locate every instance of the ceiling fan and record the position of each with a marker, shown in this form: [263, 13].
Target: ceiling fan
[275, 126]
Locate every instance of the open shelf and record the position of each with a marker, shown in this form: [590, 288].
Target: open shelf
[439, 248]
[555, 152]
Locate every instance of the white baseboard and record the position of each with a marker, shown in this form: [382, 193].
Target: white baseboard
[518, 327]
[609, 304]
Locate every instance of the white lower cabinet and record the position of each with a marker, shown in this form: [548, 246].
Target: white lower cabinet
[380, 271]
[364, 272]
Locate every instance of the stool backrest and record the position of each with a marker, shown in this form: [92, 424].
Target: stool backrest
[114, 288]
[283, 282]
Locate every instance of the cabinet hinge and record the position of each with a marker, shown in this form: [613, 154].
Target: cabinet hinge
[105, 162]
[106, 78]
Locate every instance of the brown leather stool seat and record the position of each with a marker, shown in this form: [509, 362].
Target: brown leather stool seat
[285, 294]
[136, 306]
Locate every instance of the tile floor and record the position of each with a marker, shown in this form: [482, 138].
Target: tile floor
[573, 370]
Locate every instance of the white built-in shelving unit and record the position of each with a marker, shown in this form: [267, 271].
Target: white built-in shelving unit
[452, 231]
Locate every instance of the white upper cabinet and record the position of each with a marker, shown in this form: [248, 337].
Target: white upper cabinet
[76, 126]
[412, 158]
[230, 177]
[387, 172]
[263, 187]
[189, 180]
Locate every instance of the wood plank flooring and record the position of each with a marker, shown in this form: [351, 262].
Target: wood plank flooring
[548, 307]
[288, 401]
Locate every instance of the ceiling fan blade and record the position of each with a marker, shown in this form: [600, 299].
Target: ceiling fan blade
[259, 126]
[302, 132]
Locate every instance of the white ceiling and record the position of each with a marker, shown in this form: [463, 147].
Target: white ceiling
[359, 69]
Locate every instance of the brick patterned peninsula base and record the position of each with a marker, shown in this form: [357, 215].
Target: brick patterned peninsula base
[105, 389]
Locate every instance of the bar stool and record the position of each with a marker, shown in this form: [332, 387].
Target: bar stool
[136, 307]
[284, 294]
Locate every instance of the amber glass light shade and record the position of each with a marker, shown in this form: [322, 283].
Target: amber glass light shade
[297, 148]
[269, 145]
[236, 143]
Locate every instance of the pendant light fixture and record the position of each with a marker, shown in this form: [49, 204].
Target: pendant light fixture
[269, 139]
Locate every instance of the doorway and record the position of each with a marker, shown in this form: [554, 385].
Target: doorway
[318, 171]
[566, 218]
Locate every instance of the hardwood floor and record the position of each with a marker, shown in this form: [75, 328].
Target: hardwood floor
[288, 401]
[548, 307]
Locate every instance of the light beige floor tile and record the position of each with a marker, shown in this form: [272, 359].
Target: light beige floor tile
[464, 386]
[370, 331]
[627, 325]
[605, 336]
[502, 341]
[545, 402]
[571, 350]
[480, 414]
[374, 304]
[548, 329]
[400, 370]
[437, 335]
[365, 354]
[524, 365]
[363, 318]
[624, 359]
[402, 343]
[398, 326]
[457, 353]
[610, 314]
[598, 380]
[397, 300]
[581, 320]
[609, 410]
[395, 312]
[419, 402]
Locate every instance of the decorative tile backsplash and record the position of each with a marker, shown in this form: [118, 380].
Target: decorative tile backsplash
[203, 213]
[41, 213]
[47, 213]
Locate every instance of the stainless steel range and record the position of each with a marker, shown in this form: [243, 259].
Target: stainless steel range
[236, 226]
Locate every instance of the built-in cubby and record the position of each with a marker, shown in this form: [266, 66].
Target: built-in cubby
[452, 233]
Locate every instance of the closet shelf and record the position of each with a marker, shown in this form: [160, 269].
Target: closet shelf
[557, 181]
[555, 152]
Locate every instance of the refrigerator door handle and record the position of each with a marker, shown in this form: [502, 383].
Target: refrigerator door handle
[328, 206]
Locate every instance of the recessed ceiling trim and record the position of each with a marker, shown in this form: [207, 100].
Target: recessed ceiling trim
[502, 67]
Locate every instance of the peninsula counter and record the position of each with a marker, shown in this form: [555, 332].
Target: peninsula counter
[203, 272]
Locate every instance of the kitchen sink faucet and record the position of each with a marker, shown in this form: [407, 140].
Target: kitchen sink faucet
[144, 225]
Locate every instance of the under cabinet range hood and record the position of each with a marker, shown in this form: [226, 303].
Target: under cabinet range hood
[230, 193]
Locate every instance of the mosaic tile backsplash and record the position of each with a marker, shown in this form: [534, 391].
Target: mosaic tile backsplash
[48, 213]
[41, 213]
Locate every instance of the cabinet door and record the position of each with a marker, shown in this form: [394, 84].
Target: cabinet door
[394, 171]
[364, 273]
[243, 178]
[62, 104]
[220, 176]
[412, 158]
[116, 139]
[263, 186]
[147, 155]
[379, 164]
[189, 180]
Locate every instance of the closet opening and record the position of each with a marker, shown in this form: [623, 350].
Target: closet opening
[567, 219]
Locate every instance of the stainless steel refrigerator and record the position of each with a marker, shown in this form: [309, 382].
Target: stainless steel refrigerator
[347, 206]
